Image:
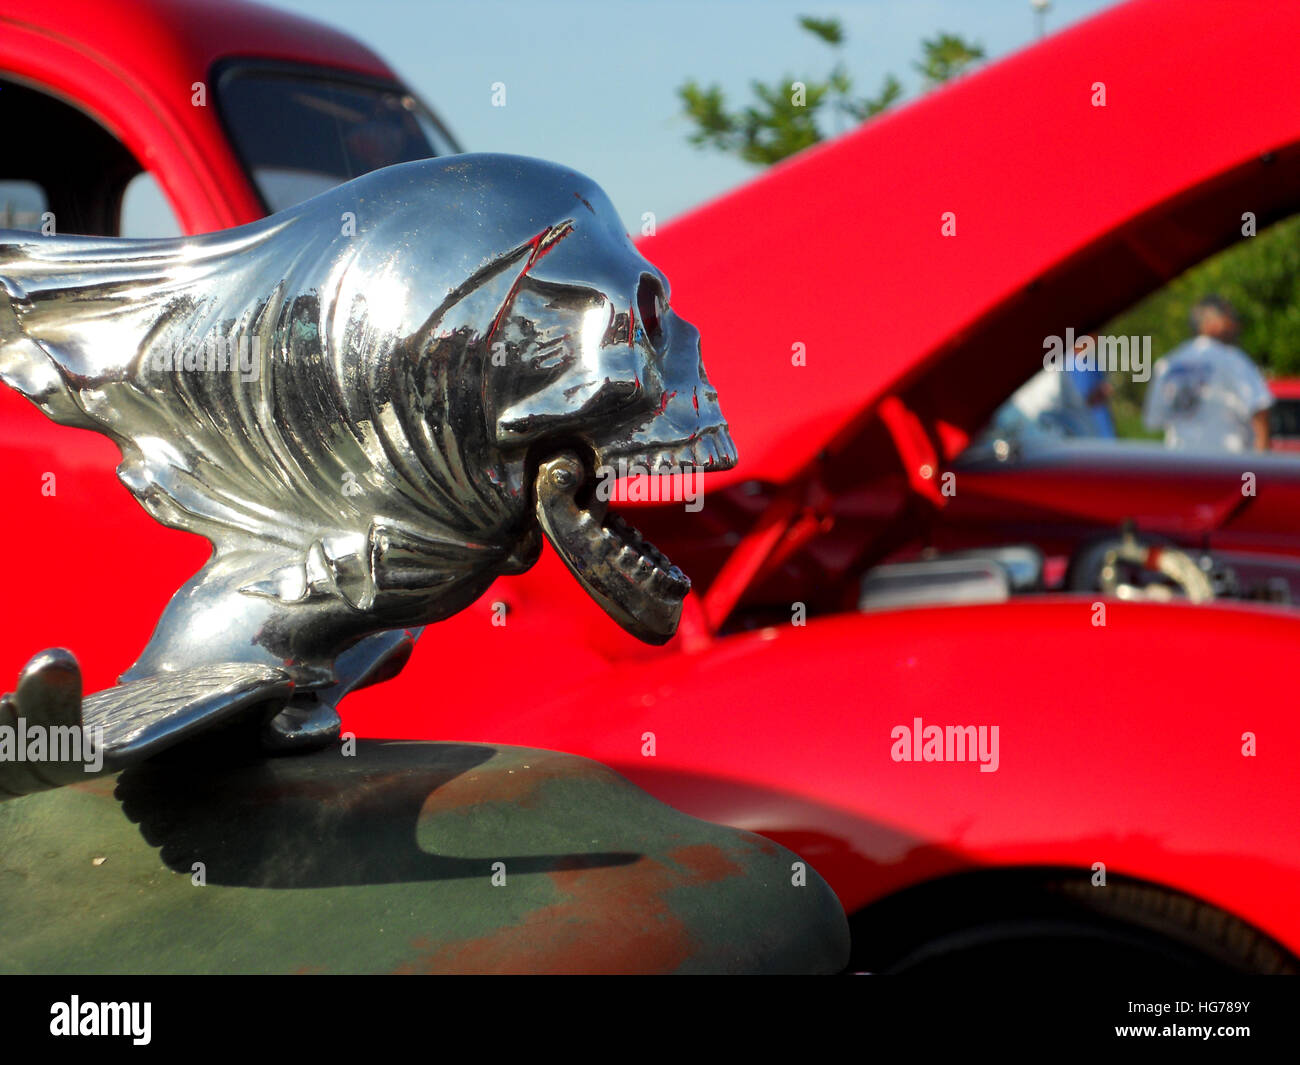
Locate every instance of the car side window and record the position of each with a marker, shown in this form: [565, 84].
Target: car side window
[69, 170]
[146, 211]
[22, 205]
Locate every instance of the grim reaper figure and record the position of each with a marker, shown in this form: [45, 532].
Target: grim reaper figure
[372, 405]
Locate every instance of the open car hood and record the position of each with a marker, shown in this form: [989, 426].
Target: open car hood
[1065, 213]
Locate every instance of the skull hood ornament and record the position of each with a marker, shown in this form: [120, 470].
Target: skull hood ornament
[373, 404]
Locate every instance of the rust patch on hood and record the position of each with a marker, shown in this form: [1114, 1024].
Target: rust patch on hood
[707, 863]
[612, 921]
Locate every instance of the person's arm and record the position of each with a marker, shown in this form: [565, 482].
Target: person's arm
[1263, 438]
[1259, 397]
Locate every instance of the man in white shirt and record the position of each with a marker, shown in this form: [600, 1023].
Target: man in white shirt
[1207, 394]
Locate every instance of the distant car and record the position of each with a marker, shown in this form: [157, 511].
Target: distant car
[227, 110]
[1284, 415]
[864, 575]
[1125, 615]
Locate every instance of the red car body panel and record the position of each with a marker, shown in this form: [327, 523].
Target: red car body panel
[1071, 492]
[1120, 744]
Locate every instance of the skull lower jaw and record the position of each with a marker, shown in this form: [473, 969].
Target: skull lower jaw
[627, 576]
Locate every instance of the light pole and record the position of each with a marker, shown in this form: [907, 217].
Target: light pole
[1041, 7]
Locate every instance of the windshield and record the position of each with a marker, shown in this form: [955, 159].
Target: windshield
[300, 132]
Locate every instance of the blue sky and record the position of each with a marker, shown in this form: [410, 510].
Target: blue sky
[591, 83]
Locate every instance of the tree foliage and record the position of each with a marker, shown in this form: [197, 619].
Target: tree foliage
[789, 114]
[944, 57]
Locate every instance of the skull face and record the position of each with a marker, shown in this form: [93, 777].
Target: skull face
[592, 373]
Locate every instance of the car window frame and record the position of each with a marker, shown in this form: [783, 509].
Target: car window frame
[233, 66]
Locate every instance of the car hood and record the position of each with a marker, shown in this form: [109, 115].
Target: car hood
[1064, 208]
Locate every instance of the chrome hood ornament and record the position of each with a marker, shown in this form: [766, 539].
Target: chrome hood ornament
[372, 405]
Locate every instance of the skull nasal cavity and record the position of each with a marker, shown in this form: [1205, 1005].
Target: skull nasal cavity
[650, 309]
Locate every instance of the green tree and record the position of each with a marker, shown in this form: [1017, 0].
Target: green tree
[946, 56]
[789, 115]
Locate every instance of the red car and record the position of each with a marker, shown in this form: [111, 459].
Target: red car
[895, 660]
[1284, 415]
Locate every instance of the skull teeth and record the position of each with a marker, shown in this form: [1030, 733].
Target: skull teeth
[712, 450]
[621, 546]
[639, 559]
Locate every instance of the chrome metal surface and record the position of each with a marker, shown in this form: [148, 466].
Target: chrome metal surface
[1178, 566]
[352, 401]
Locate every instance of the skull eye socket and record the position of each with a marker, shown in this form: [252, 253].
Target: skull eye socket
[651, 306]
